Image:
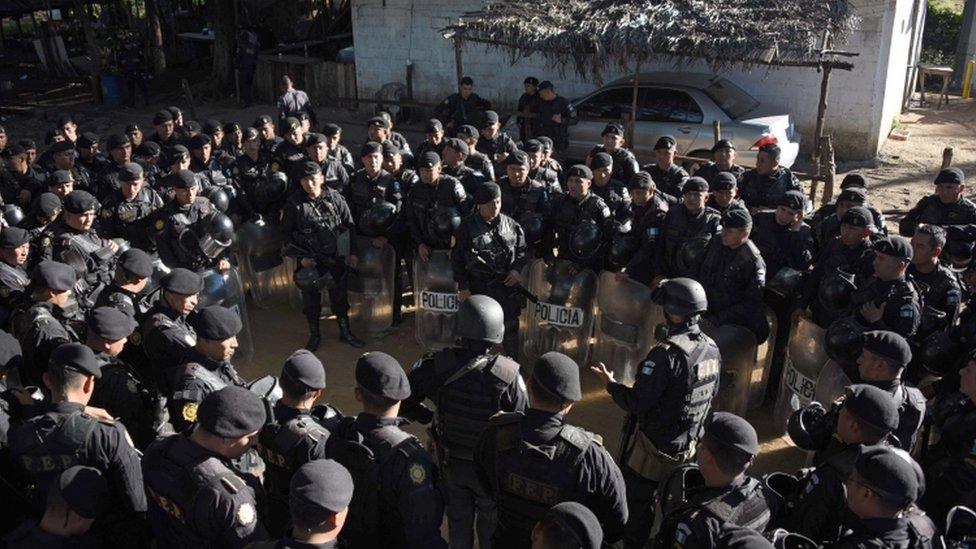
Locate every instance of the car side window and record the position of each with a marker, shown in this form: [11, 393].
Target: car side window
[611, 104]
[663, 105]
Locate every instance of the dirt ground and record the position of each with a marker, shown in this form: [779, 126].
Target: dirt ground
[899, 177]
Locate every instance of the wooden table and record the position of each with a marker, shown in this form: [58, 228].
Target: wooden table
[934, 70]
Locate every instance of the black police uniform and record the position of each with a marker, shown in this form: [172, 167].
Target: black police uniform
[614, 192]
[469, 178]
[765, 191]
[530, 198]
[336, 176]
[543, 124]
[940, 289]
[948, 464]
[669, 181]
[13, 182]
[191, 382]
[257, 197]
[709, 172]
[44, 328]
[911, 410]
[481, 164]
[734, 203]
[167, 339]
[210, 174]
[29, 535]
[59, 242]
[568, 213]
[130, 399]
[13, 290]
[342, 155]
[734, 280]
[624, 162]
[647, 226]
[171, 220]
[131, 219]
[457, 111]
[819, 509]
[288, 156]
[549, 179]
[782, 246]
[426, 146]
[502, 143]
[931, 210]
[681, 227]
[902, 307]
[826, 225]
[424, 200]
[364, 192]
[858, 261]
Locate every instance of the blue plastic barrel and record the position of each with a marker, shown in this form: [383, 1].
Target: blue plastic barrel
[111, 90]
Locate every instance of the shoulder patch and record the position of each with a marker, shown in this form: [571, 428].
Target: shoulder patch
[245, 514]
[417, 474]
[106, 213]
[160, 224]
[907, 311]
[190, 412]
[647, 368]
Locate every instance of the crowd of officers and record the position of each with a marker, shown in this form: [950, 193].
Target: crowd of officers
[124, 422]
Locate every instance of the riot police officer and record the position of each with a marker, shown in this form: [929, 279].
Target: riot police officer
[613, 191]
[434, 207]
[782, 237]
[887, 301]
[475, 159]
[469, 384]
[716, 492]
[537, 169]
[623, 161]
[464, 107]
[335, 172]
[261, 191]
[164, 129]
[687, 229]
[167, 335]
[290, 153]
[46, 445]
[61, 183]
[131, 276]
[492, 141]
[396, 164]
[396, 501]
[380, 130]
[296, 434]
[723, 161]
[530, 462]
[73, 239]
[454, 156]
[205, 165]
[266, 131]
[434, 142]
[648, 211]
[853, 192]
[552, 113]
[947, 206]
[335, 150]
[127, 212]
[187, 215]
[372, 184]
[488, 258]
[939, 285]
[195, 498]
[763, 185]
[43, 326]
[90, 161]
[568, 524]
[21, 180]
[582, 221]
[526, 201]
[313, 219]
[120, 153]
[206, 367]
[724, 192]
[70, 510]
[883, 359]
[669, 177]
[669, 402]
[14, 251]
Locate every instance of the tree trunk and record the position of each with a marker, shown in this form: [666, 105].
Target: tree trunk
[222, 21]
[966, 43]
[91, 43]
[155, 52]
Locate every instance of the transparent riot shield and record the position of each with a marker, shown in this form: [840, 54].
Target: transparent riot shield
[562, 320]
[262, 268]
[831, 383]
[225, 289]
[435, 294]
[765, 353]
[739, 368]
[806, 356]
[371, 290]
[623, 326]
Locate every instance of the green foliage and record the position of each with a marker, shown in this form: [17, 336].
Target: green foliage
[942, 24]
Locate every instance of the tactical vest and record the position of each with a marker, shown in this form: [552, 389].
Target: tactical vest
[54, 445]
[467, 400]
[320, 230]
[364, 192]
[277, 445]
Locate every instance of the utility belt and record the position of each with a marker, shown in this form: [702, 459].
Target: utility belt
[652, 464]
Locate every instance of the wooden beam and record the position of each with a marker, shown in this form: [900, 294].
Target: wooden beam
[828, 169]
[821, 112]
[458, 61]
[946, 157]
[717, 130]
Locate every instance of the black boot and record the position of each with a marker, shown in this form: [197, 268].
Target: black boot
[345, 334]
[314, 338]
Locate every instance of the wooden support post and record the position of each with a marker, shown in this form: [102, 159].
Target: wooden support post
[946, 157]
[717, 130]
[828, 169]
[821, 112]
[189, 98]
[458, 61]
[631, 124]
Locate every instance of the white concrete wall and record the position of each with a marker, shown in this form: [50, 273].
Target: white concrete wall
[388, 34]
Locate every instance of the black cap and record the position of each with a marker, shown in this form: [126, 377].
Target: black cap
[292, 123]
[578, 521]
[736, 218]
[117, 140]
[640, 180]
[162, 116]
[428, 160]
[952, 176]
[199, 140]
[665, 142]
[467, 132]
[212, 126]
[517, 158]
[532, 146]
[546, 142]
[75, 357]
[491, 117]
[390, 148]
[558, 374]
[130, 171]
[48, 204]
[531, 80]
[329, 129]
[433, 125]
[487, 192]
[696, 184]
[612, 129]
[250, 134]
[314, 139]
[370, 147]
[320, 489]
[84, 489]
[857, 195]
[262, 120]
[148, 148]
[62, 146]
[545, 85]
[858, 216]
[854, 180]
[724, 181]
[183, 179]
[734, 432]
[723, 144]
[305, 369]
[175, 111]
[232, 127]
[601, 160]
[875, 407]
[793, 200]
[890, 473]
[136, 262]
[216, 323]
[182, 281]
[579, 170]
[176, 153]
[28, 144]
[110, 323]
[54, 275]
[898, 247]
[379, 121]
[889, 346]
[458, 145]
[231, 412]
[192, 125]
[380, 374]
[13, 237]
[14, 150]
[60, 177]
[310, 168]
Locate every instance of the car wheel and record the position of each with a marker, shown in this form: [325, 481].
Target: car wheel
[691, 166]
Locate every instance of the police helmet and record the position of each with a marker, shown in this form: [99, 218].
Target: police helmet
[622, 248]
[836, 290]
[931, 321]
[680, 296]
[378, 219]
[12, 215]
[844, 340]
[218, 234]
[691, 253]
[960, 526]
[677, 487]
[480, 318]
[533, 226]
[937, 353]
[787, 281]
[218, 197]
[790, 540]
[310, 280]
[806, 426]
[585, 240]
[275, 186]
[444, 222]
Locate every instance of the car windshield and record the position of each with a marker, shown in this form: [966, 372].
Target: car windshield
[730, 98]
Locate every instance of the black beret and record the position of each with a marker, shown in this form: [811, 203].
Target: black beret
[305, 369]
[149, 148]
[378, 121]
[130, 171]
[858, 216]
[578, 521]
[65, 119]
[612, 129]
[875, 407]
[309, 168]
[14, 150]
[517, 158]
[232, 127]
[736, 218]
[79, 202]
[898, 247]
[380, 374]
[370, 147]
[262, 120]
[857, 195]
[531, 80]
[212, 126]
[793, 200]
[695, 184]
[11, 354]
[601, 160]
[665, 142]
[467, 81]
[486, 193]
[313, 139]
[428, 160]
[250, 134]
[952, 176]
[13, 237]
[62, 146]
[183, 179]
[199, 140]
[75, 357]
[579, 170]
[303, 116]
[734, 432]
[28, 144]
[319, 489]
[724, 181]
[137, 262]
[162, 116]
[231, 412]
[546, 142]
[467, 132]
[640, 180]
[889, 473]
[292, 123]
[47, 204]
[545, 85]
[60, 177]
[84, 489]
[390, 148]
[491, 117]
[558, 374]
[433, 125]
[854, 180]
[132, 128]
[889, 346]
[532, 146]
[54, 275]
[182, 281]
[117, 140]
[723, 144]
[175, 111]
[216, 323]
[331, 129]
[192, 126]
[458, 145]
[177, 153]
[111, 324]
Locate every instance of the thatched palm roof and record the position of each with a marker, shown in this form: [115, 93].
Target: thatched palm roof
[724, 33]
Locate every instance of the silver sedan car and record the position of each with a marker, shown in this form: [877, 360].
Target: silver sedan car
[683, 105]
